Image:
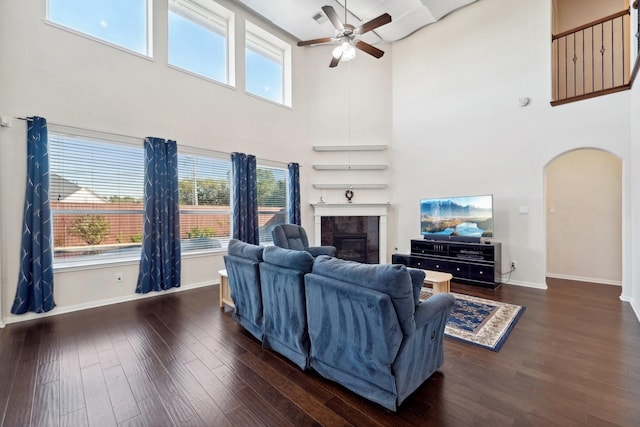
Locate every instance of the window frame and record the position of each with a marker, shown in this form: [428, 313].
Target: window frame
[266, 44]
[94, 261]
[224, 240]
[263, 164]
[215, 18]
[148, 54]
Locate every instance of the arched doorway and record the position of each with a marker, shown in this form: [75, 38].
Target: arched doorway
[583, 197]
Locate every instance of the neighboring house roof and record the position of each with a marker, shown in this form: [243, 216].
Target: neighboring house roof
[63, 190]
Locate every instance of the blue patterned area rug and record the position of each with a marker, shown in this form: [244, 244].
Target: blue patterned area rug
[480, 321]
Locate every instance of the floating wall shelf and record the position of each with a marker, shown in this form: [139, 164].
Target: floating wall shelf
[349, 147]
[349, 167]
[352, 186]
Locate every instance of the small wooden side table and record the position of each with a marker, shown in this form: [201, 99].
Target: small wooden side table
[225, 292]
[441, 282]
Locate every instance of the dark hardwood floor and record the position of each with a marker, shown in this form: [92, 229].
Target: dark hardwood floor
[178, 359]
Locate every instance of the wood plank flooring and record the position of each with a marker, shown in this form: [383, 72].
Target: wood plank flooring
[178, 359]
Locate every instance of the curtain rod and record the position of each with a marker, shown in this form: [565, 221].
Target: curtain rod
[84, 129]
[142, 139]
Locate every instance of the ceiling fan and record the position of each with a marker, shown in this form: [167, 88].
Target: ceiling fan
[348, 36]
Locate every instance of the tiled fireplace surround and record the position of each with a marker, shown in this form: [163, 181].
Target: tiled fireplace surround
[351, 210]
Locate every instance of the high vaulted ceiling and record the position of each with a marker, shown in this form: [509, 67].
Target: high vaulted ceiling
[297, 16]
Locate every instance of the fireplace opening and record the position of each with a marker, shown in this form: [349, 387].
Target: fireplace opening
[356, 238]
[351, 246]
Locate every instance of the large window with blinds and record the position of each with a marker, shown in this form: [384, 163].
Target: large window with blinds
[96, 190]
[201, 39]
[205, 212]
[272, 200]
[267, 65]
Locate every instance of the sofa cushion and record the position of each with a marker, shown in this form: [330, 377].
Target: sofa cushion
[288, 258]
[391, 279]
[245, 250]
[417, 281]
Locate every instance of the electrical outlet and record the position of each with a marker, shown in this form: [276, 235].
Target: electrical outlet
[513, 264]
[119, 277]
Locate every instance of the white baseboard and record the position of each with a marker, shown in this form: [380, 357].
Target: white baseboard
[102, 303]
[585, 279]
[526, 284]
[636, 309]
[634, 306]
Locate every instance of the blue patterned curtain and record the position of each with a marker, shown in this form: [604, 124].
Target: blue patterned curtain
[160, 261]
[35, 283]
[293, 198]
[244, 205]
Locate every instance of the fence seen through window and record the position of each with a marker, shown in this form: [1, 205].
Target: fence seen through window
[97, 191]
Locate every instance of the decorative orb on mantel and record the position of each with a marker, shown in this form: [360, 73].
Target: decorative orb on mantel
[349, 195]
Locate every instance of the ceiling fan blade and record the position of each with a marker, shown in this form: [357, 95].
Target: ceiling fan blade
[371, 50]
[333, 17]
[381, 20]
[316, 41]
[335, 61]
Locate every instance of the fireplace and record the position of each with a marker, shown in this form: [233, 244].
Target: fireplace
[358, 231]
[351, 246]
[356, 238]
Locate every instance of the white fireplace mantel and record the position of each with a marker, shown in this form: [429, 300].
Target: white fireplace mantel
[353, 209]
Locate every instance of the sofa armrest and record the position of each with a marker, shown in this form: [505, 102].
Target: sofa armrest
[434, 306]
[423, 352]
[321, 250]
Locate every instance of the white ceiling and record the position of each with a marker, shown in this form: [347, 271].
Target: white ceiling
[296, 16]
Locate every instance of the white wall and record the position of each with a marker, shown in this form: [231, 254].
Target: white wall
[570, 14]
[583, 191]
[74, 81]
[458, 128]
[632, 244]
[349, 105]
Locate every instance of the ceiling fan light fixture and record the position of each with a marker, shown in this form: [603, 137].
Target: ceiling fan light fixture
[345, 52]
[348, 36]
[349, 54]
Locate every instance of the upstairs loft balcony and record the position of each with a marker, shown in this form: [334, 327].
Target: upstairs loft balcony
[594, 59]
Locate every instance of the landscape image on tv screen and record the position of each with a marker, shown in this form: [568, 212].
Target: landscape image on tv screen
[470, 216]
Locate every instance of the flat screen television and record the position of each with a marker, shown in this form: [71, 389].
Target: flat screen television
[457, 218]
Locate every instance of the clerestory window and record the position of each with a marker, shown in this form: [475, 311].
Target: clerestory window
[122, 23]
[267, 65]
[201, 39]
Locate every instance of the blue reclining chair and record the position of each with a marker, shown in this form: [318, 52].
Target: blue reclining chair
[369, 331]
[285, 316]
[242, 263]
[291, 236]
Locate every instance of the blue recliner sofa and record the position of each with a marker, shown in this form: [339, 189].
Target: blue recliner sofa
[292, 236]
[243, 270]
[284, 321]
[368, 330]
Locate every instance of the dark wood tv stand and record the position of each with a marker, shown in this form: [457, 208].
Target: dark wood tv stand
[476, 264]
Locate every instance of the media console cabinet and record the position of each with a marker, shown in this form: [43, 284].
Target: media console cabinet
[471, 263]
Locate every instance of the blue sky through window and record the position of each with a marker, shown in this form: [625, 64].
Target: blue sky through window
[121, 22]
[191, 46]
[264, 76]
[197, 49]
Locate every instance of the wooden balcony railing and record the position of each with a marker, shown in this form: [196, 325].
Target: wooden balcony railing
[592, 60]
